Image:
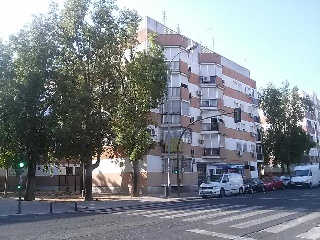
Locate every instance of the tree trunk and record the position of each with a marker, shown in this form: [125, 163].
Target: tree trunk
[6, 183]
[31, 182]
[88, 176]
[135, 166]
[88, 180]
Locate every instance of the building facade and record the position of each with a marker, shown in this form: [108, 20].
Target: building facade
[204, 88]
[311, 124]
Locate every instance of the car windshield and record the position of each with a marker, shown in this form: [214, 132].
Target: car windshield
[301, 173]
[214, 178]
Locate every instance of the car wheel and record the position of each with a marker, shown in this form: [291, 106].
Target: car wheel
[310, 185]
[251, 190]
[283, 187]
[263, 189]
[204, 196]
[240, 190]
[273, 188]
[222, 192]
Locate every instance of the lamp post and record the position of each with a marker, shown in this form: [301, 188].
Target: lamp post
[168, 187]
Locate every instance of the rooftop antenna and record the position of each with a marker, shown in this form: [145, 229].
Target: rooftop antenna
[164, 18]
[178, 29]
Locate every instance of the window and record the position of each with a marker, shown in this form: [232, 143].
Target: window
[245, 149]
[239, 146]
[174, 119]
[185, 108]
[186, 165]
[69, 171]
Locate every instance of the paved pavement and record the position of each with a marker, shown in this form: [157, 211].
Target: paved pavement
[45, 205]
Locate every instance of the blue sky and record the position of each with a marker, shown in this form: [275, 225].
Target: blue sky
[276, 40]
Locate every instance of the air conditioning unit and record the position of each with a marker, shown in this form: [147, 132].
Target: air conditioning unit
[253, 134]
[191, 119]
[254, 154]
[240, 153]
[251, 115]
[199, 93]
[200, 141]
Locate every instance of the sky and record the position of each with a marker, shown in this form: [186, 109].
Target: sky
[275, 40]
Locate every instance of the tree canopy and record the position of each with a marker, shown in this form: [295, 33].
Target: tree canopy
[284, 140]
[66, 80]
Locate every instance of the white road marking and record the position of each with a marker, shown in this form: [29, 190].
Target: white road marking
[262, 220]
[290, 224]
[239, 216]
[220, 235]
[212, 215]
[199, 212]
[312, 234]
[166, 209]
[173, 212]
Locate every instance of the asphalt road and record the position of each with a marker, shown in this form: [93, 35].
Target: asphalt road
[282, 214]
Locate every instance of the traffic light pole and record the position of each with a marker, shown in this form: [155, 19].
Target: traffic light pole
[20, 186]
[237, 116]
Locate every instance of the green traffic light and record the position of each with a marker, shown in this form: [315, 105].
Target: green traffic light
[21, 164]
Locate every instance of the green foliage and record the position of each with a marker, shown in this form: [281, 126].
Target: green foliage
[284, 141]
[143, 87]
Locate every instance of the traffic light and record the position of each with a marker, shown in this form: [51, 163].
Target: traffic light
[21, 165]
[237, 115]
[175, 170]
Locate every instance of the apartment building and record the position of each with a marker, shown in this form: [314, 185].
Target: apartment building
[203, 88]
[311, 124]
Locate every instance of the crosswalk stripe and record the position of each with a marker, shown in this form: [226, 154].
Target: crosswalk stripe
[262, 220]
[200, 211]
[186, 209]
[312, 234]
[175, 207]
[212, 215]
[240, 216]
[290, 224]
[220, 235]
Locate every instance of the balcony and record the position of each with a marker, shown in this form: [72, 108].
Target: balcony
[256, 119]
[207, 80]
[255, 101]
[174, 92]
[209, 103]
[210, 127]
[214, 152]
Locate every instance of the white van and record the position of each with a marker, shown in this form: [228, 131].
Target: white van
[221, 185]
[306, 176]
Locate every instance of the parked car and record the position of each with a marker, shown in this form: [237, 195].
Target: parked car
[273, 183]
[221, 185]
[253, 185]
[286, 179]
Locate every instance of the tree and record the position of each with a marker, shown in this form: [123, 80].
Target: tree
[143, 86]
[25, 100]
[283, 108]
[93, 37]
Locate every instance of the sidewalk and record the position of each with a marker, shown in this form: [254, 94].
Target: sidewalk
[66, 203]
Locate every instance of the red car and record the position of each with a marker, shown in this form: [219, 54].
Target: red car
[273, 183]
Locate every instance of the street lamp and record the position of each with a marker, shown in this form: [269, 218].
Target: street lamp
[168, 187]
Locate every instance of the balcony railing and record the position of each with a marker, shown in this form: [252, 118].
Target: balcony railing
[211, 152]
[255, 101]
[209, 103]
[207, 80]
[210, 127]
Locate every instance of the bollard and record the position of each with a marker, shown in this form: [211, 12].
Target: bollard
[51, 207]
